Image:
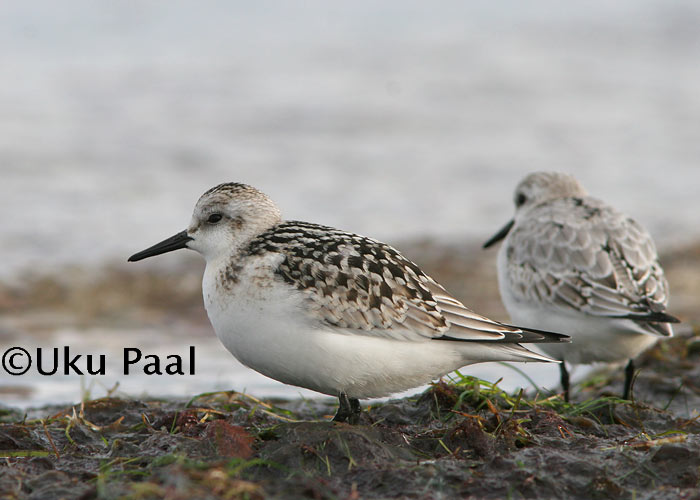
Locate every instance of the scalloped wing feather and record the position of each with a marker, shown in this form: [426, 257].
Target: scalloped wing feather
[359, 285]
[578, 253]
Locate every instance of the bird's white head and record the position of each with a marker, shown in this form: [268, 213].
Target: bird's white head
[225, 218]
[228, 216]
[537, 188]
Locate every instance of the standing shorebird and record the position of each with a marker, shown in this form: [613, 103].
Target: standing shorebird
[572, 262]
[328, 310]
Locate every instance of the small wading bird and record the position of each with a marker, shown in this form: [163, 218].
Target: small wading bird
[328, 310]
[571, 262]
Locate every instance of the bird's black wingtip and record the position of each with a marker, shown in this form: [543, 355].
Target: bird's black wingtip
[654, 317]
[533, 336]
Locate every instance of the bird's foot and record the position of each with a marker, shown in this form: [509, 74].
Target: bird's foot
[349, 410]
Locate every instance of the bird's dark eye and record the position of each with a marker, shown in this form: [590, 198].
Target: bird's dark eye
[214, 218]
[520, 200]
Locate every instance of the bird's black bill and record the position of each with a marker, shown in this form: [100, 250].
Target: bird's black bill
[500, 234]
[175, 242]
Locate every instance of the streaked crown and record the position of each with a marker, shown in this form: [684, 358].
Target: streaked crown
[543, 186]
[229, 215]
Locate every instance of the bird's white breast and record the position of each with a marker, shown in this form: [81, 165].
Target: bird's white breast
[252, 314]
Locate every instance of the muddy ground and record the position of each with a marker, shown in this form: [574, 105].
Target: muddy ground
[460, 439]
[457, 440]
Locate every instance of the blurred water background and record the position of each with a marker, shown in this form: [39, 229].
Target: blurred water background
[404, 120]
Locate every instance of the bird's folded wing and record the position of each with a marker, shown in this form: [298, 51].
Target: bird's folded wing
[365, 287]
[600, 263]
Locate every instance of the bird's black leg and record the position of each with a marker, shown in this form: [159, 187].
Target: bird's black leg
[343, 408]
[349, 409]
[355, 411]
[564, 380]
[629, 376]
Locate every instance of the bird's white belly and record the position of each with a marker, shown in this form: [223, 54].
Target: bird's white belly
[273, 341]
[592, 338]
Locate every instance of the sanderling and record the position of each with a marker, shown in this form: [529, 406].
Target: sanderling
[331, 311]
[570, 262]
